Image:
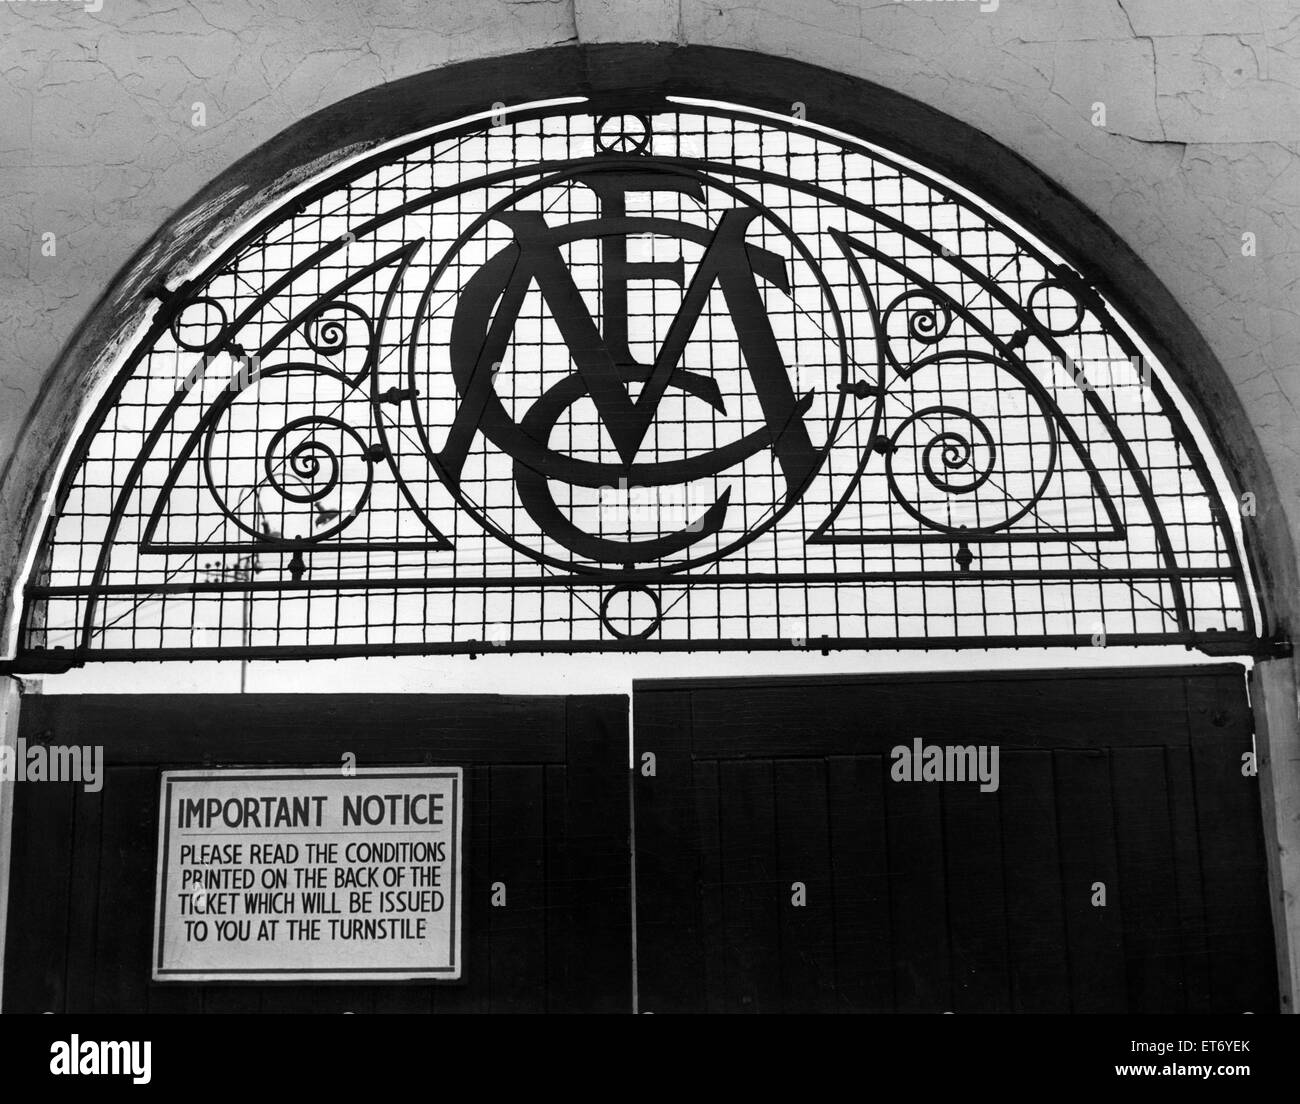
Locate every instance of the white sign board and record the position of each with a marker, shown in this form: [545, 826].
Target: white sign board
[309, 875]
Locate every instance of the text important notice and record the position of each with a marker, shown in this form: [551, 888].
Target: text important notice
[302, 875]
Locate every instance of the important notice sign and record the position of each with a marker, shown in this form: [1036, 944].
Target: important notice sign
[304, 875]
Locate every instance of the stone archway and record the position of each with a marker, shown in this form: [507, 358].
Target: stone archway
[841, 102]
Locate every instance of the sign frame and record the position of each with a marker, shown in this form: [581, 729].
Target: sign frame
[453, 972]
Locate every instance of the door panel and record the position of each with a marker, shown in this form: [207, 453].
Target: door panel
[546, 812]
[749, 797]
[1118, 866]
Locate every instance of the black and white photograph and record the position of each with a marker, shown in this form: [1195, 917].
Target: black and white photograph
[675, 507]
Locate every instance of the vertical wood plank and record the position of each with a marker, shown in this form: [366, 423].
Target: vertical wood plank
[517, 858]
[1239, 925]
[598, 830]
[563, 951]
[36, 940]
[750, 891]
[712, 931]
[473, 993]
[1153, 960]
[83, 910]
[669, 952]
[977, 911]
[1087, 838]
[864, 973]
[918, 897]
[1039, 967]
[807, 933]
[126, 889]
[1187, 877]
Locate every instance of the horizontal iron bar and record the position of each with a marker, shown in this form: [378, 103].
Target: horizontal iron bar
[285, 547]
[1220, 644]
[613, 578]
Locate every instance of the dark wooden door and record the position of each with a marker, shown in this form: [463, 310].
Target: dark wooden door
[546, 812]
[935, 896]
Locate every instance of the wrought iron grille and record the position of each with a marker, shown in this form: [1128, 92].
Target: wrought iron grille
[684, 377]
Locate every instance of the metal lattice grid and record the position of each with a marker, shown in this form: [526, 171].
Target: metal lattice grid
[688, 378]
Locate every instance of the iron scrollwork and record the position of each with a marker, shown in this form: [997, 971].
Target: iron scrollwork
[688, 392]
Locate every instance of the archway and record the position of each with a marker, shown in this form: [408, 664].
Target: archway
[982, 445]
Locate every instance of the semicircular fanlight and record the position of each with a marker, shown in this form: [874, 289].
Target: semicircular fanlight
[689, 376]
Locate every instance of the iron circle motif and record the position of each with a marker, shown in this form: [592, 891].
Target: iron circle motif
[203, 316]
[1050, 298]
[653, 621]
[623, 134]
[728, 265]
